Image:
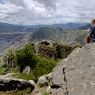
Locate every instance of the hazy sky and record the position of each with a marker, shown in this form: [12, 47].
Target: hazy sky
[46, 11]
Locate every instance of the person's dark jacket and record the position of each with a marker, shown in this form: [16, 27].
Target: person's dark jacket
[92, 33]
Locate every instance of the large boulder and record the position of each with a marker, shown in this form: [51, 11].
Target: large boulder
[8, 84]
[75, 75]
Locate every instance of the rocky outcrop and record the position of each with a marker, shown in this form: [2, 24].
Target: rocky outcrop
[75, 75]
[42, 81]
[8, 84]
[56, 50]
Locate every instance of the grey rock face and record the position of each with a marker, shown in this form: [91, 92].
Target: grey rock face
[75, 75]
[48, 77]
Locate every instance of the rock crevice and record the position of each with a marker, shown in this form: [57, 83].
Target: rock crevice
[65, 80]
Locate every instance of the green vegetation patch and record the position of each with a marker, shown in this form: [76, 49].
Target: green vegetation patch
[26, 56]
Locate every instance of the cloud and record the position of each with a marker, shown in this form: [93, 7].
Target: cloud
[49, 4]
[46, 11]
[17, 2]
[6, 9]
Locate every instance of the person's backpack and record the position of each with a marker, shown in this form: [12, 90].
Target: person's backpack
[88, 39]
[92, 32]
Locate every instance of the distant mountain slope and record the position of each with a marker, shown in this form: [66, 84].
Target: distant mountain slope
[5, 27]
[85, 26]
[71, 26]
[61, 33]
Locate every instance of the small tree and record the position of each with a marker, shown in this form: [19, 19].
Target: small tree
[9, 58]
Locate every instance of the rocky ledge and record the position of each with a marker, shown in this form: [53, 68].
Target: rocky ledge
[75, 75]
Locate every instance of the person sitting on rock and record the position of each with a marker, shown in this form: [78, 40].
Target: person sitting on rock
[91, 35]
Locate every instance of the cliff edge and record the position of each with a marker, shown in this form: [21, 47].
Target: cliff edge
[75, 75]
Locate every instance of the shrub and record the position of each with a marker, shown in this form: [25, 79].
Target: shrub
[63, 51]
[1, 70]
[44, 66]
[26, 76]
[44, 93]
[46, 43]
[9, 58]
[25, 57]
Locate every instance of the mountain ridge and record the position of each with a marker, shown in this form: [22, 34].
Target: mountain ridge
[14, 27]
